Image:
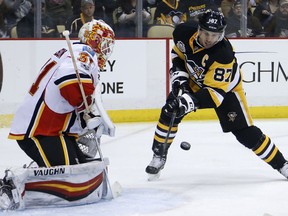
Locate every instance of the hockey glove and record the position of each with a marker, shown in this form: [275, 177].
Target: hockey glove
[92, 121]
[89, 120]
[179, 81]
[182, 105]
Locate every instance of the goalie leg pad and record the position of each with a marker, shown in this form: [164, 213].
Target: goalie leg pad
[61, 185]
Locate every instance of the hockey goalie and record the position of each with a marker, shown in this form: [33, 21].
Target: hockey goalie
[59, 126]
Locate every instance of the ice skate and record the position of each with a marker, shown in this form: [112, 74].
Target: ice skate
[7, 195]
[155, 166]
[284, 170]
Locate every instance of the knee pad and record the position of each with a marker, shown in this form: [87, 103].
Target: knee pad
[249, 136]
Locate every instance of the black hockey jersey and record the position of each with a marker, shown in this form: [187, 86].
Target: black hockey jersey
[213, 72]
[171, 15]
[197, 7]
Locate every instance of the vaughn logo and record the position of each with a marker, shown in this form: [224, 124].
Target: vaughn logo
[49, 171]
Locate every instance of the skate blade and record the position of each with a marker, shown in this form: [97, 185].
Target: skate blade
[153, 177]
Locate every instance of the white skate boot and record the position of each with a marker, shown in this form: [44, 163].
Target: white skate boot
[284, 170]
[155, 166]
[9, 197]
[5, 194]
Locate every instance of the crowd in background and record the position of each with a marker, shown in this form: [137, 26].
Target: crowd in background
[265, 18]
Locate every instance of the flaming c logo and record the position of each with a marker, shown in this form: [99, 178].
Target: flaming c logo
[1, 73]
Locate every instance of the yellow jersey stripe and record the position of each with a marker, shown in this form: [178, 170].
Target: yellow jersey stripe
[43, 156]
[262, 146]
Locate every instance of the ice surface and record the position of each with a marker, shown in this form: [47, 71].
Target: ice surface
[216, 177]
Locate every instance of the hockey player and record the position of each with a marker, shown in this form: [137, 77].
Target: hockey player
[204, 75]
[47, 124]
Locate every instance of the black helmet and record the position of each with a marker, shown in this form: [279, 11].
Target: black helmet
[213, 21]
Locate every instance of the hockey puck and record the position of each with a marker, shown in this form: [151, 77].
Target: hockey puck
[185, 145]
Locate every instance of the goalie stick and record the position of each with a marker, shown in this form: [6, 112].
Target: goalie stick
[116, 189]
[66, 35]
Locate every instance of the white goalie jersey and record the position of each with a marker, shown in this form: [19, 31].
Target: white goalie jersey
[50, 107]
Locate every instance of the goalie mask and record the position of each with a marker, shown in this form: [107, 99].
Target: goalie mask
[100, 37]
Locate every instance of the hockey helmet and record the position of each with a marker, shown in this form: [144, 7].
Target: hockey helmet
[213, 21]
[100, 37]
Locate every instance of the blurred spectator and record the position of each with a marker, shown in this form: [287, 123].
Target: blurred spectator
[217, 3]
[170, 12]
[153, 3]
[253, 3]
[281, 29]
[14, 11]
[108, 6]
[126, 17]
[196, 7]
[76, 4]
[227, 5]
[74, 23]
[25, 27]
[3, 29]
[265, 10]
[59, 10]
[254, 27]
[103, 9]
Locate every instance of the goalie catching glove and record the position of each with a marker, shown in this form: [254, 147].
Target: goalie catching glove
[182, 105]
[97, 117]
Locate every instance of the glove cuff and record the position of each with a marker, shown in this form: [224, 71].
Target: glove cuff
[181, 76]
[190, 103]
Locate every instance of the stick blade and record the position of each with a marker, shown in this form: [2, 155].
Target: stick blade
[153, 177]
[116, 189]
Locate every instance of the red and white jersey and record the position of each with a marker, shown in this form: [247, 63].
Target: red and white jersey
[51, 106]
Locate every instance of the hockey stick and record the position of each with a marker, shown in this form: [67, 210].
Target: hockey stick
[66, 35]
[165, 144]
[117, 190]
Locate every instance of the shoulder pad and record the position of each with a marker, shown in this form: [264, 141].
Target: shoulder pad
[89, 50]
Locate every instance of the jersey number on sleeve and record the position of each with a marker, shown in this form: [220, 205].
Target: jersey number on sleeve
[42, 74]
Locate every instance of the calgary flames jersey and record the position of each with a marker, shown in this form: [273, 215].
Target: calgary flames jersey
[50, 107]
[213, 72]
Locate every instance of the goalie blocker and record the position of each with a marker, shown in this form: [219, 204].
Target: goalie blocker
[54, 187]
